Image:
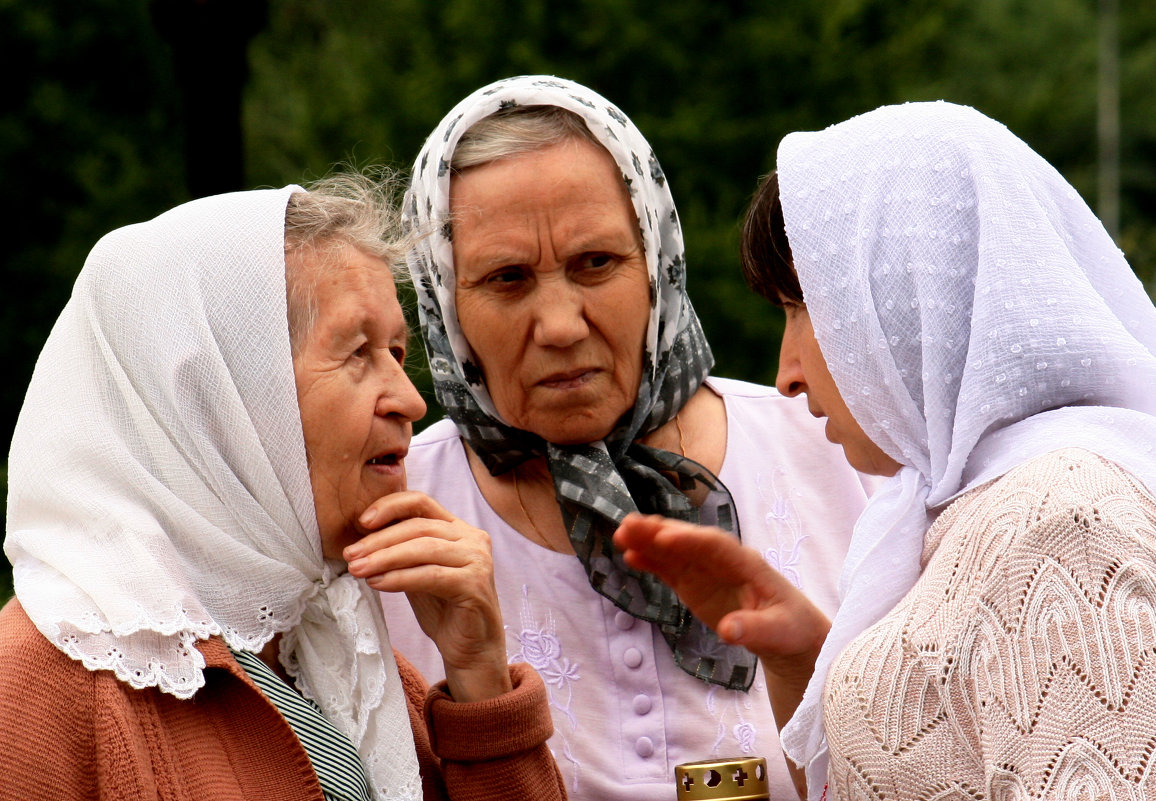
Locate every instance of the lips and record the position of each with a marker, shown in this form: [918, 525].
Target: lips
[387, 458]
[569, 378]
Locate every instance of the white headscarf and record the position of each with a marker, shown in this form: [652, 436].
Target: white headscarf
[159, 492]
[974, 314]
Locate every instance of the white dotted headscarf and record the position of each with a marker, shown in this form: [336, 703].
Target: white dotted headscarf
[158, 486]
[591, 481]
[974, 314]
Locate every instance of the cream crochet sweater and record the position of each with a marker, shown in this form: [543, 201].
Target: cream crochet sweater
[1022, 664]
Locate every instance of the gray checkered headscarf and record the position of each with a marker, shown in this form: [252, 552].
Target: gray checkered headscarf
[598, 483]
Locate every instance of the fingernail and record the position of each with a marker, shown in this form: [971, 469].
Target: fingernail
[367, 516]
[357, 564]
[734, 631]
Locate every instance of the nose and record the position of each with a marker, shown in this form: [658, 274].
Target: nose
[790, 380]
[559, 314]
[399, 397]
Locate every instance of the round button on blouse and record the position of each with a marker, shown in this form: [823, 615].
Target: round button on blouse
[624, 621]
[642, 704]
[644, 747]
[632, 657]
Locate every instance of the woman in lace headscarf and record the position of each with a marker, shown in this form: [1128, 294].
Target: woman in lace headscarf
[574, 372]
[215, 427]
[969, 328]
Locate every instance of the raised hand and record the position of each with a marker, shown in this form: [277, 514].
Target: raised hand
[445, 568]
[734, 591]
[729, 587]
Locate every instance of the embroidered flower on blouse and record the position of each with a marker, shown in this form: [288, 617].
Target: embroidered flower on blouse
[785, 554]
[745, 734]
[560, 672]
[730, 708]
[541, 648]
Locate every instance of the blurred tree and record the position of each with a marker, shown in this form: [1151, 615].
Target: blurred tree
[87, 143]
[92, 135]
[209, 41]
[713, 86]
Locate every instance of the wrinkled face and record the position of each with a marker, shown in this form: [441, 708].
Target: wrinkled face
[357, 404]
[553, 294]
[802, 369]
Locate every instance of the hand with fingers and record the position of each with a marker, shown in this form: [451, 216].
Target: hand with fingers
[730, 588]
[444, 566]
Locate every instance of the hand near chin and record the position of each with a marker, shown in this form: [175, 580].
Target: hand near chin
[730, 588]
[445, 568]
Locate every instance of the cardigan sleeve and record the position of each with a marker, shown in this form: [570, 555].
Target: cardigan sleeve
[492, 749]
[46, 716]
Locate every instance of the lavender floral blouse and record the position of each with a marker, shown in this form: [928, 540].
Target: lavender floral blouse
[624, 714]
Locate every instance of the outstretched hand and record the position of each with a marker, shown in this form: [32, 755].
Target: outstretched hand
[730, 588]
[445, 568]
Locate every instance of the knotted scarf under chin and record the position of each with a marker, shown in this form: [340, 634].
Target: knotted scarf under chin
[595, 493]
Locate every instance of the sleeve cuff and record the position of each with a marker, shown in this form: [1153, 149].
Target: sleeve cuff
[492, 729]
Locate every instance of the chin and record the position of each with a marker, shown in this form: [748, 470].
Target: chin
[560, 428]
[577, 435]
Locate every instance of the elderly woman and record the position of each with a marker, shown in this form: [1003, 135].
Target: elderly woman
[217, 423]
[969, 328]
[575, 374]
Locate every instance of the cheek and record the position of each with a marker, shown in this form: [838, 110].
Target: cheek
[631, 304]
[484, 327]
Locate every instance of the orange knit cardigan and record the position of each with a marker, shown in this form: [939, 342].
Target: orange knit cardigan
[70, 733]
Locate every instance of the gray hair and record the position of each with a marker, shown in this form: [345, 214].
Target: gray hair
[517, 130]
[350, 208]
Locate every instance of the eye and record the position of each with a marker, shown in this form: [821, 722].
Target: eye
[595, 261]
[506, 275]
[361, 352]
[398, 353]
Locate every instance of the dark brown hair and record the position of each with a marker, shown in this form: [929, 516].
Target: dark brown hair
[765, 252]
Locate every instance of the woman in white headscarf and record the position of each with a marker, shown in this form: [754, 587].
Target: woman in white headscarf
[575, 376]
[215, 427]
[969, 328]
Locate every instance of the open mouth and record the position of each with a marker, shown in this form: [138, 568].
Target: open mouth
[385, 459]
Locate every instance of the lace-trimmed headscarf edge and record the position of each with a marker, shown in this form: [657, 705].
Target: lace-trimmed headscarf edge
[159, 492]
[974, 314]
[596, 484]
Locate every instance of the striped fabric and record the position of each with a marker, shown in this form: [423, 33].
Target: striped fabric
[334, 758]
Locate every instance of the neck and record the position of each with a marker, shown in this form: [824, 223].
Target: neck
[524, 499]
[269, 655]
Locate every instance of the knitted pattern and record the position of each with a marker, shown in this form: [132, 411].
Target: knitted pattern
[1022, 664]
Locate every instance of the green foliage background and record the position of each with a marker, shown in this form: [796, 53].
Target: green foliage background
[90, 137]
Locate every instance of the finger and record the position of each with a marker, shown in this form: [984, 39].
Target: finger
[399, 506]
[679, 550]
[412, 528]
[418, 551]
[458, 585]
[775, 632]
[638, 531]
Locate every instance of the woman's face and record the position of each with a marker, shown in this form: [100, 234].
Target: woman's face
[357, 404]
[552, 289]
[802, 369]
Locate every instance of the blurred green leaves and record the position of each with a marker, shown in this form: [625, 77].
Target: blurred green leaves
[90, 138]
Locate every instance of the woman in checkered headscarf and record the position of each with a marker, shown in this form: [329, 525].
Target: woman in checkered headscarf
[575, 375]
